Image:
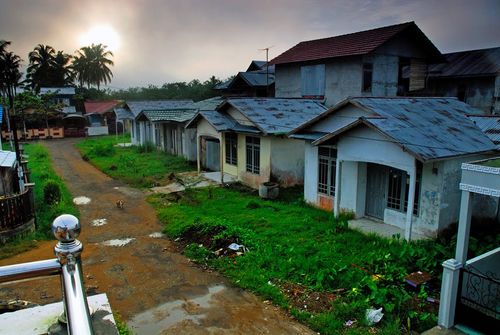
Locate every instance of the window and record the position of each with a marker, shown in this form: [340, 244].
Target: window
[313, 81]
[253, 154]
[399, 185]
[326, 170]
[367, 77]
[231, 148]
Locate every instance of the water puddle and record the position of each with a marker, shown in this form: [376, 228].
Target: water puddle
[159, 318]
[156, 235]
[81, 200]
[99, 222]
[117, 242]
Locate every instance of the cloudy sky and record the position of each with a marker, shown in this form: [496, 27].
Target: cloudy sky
[158, 41]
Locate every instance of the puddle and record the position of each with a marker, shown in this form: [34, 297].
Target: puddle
[159, 318]
[117, 243]
[81, 200]
[156, 235]
[99, 222]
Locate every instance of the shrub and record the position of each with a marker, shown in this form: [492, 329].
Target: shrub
[146, 147]
[51, 192]
[104, 149]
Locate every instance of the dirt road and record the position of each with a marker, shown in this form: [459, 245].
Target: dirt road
[155, 289]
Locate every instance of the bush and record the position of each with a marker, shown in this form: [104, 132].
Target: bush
[146, 147]
[51, 192]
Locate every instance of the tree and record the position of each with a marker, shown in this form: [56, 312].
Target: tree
[91, 65]
[48, 68]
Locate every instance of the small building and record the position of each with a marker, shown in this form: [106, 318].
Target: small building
[473, 76]
[396, 160]
[101, 117]
[145, 131]
[246, 139]
[8, 173]
[62, 95]
[366, 63]
[256, 81]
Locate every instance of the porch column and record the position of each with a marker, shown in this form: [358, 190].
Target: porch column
[198, 153]
[411, 203]
[336, 204]
[449, 291]
[464, 227]
[221, 158]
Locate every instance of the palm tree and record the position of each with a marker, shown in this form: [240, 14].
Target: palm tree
[91, 65]
[61, 69]
[39, 72]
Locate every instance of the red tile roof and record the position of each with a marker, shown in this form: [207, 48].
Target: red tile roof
[359, 43]
[100, 107]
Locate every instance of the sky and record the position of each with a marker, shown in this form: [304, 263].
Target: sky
[160, 41]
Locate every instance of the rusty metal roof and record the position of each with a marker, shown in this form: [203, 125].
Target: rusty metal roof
[359, 43]
[138, 106]
[275, 115]
[468, 63]
[428, 128]
[490, 125]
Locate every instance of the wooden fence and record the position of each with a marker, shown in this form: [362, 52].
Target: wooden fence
[16, 210]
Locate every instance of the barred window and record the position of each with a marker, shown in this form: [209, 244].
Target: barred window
[231, 148]
[326, 170]
[399, 186]
[253, 154]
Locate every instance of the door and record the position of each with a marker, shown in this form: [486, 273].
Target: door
[376, 185]
[212, 155]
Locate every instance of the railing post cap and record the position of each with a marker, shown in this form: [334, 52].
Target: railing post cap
[66, 228]
[452, 264]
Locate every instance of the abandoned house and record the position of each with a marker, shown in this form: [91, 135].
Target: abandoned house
[256, 81]
[393, 159]
[245, 139]
[367, 63]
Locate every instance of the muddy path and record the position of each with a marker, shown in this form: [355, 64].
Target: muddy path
[154, 288]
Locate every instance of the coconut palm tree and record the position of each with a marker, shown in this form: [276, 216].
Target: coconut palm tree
[91, 65]
[39, 72]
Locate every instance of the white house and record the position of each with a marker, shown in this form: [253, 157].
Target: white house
[144, 131]
[245, 139]
[393, 159]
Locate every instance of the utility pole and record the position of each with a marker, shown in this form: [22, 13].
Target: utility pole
[267, 68]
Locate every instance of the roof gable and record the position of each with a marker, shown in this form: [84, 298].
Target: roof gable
[138, 106]
[428, 128]
[100, 107]
[359, 43]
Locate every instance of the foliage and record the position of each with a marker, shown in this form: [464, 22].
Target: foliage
[121, 326]
[51, 192]
[139, 169]
[10, 75]
[146, 147]
[294, 243]
[91, 65]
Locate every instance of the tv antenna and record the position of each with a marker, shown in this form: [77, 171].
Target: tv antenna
[267, 67]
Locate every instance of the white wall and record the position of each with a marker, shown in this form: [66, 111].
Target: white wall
[310, 173]
[287, 160]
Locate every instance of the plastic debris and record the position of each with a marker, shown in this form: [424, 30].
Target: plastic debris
[374, 316]
[237, 247]
[349, 323]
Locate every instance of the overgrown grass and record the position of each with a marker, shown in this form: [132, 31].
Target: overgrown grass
[138, 166]
[294, 244]
[40, 165]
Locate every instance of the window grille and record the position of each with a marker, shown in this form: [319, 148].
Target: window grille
[231, 148]
[253, 154]
[327, 169]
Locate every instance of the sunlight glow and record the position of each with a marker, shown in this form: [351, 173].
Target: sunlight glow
[104, 34]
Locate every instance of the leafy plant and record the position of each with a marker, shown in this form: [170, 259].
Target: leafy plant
[51, 192]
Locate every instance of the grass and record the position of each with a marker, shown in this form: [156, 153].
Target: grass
[492, 162]
[40, 165]
[299, 249]
[141, 166]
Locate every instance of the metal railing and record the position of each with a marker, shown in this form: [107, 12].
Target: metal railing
[480, 291]
[16, 210]
[68, 265]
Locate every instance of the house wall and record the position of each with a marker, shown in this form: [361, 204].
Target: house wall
[479, 92]
[189, 143]
[311, 174]
[287, 161]
[251, 179]
[385, 75]
[240, 118]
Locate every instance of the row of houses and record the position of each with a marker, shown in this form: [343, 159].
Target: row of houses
[376, 123]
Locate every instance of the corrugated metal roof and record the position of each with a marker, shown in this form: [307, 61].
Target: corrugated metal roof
[69, 110]
[58, 90]
[123, 114]
[490, 125]
[7, 159]
[138, 106]
[276, 115]
[175, 115]
[100, 107]
[429, 128]
[222, 122]
[309, 136]
[258, 78]
[468, 63]
[359, 43]
[256, 65]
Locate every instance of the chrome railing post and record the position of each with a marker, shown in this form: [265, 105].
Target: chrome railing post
[66, 229]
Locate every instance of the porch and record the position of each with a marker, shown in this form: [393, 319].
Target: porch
[372, 226]
[216, 177]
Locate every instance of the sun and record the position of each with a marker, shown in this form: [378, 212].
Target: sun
[104, 34]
